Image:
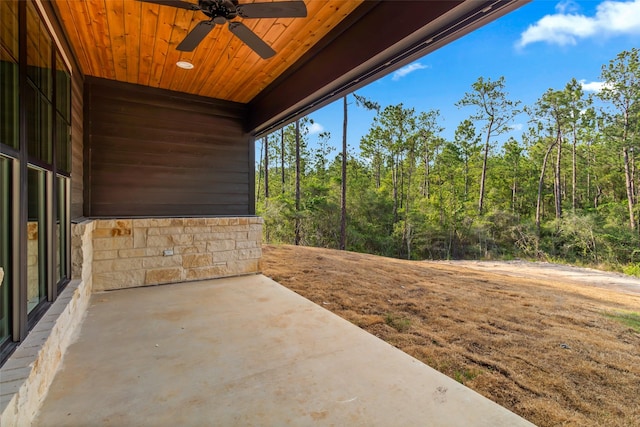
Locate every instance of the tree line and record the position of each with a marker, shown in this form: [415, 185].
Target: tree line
[566, 190]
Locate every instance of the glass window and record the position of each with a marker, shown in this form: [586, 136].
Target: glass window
[36, 86]
[39, 50]
[39, 138]
[63, 145]
[61, 230]
[5, 248]
[36, 238]
[9, 27]
[63, 116]
[8, 98]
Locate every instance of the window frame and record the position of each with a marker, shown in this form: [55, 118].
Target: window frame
[53, 204]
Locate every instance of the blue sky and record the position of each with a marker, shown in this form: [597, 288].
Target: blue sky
[539, 46]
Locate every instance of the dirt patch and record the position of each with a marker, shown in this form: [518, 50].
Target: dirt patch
[548, 347]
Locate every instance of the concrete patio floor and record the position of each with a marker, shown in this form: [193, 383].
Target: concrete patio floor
[245, 351]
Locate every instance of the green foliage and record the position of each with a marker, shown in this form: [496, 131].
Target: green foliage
[399, 323]
[465, 375]
[558, 193]
[629, 319]
[632, 269]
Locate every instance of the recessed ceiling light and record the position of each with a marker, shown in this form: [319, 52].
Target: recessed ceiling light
[185, 64]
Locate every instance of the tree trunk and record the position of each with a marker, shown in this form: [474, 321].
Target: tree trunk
[514, 191]
[574, 173]
[282, 157]
[629, 185]
[394, 180]
[557, 185]
[407, 205]
[466, 178]
[540, 185]
[426, 174]
[343, 199]
[266, 167]
[297, 219]
[259, 174]
[483, 177]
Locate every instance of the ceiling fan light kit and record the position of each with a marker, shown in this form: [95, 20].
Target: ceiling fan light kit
[186, 65]
[225, 11]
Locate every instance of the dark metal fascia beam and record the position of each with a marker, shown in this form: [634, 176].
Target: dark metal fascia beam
[378, 39]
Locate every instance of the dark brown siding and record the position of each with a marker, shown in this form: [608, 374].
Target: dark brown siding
[76, 146]
[152, 152]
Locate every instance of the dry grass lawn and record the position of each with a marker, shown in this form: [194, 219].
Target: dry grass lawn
[552, 352]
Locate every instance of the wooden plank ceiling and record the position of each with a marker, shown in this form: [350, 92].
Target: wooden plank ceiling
[135, 42]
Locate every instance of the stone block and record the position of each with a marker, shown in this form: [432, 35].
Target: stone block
[109, 254]
[160, 222]
[194, 248]
[255, 236]
[104, 223]
[249, 266]
[197, 230]
[140, 237]
[32, 230]
[195, 222]
[236, 228]
[155, 231]
[182, 239]
[159, 242]
[112, 243]
[243, 221]
[120, 264]
[78, 230]
[205, 237]
[163, 275]
[112, 232]
[154, 251]
[217, 221]
[220, 256]
[197, 260]
[132, 253]
[244, 254]
[162, 261]
[140, 223]
[118, 280]
[221, 245]
[207, 272]
[246, 244]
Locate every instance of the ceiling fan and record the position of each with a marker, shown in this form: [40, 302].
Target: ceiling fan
[221, 11]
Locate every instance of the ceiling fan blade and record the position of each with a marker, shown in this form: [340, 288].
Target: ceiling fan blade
[277, 9]
[196, 35]
[174, 3]
[251, 39]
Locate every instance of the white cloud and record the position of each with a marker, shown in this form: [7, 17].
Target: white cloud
[567, 6]
[567, 26]
[517, 126]
[592, 86]
[315, 128]
[407, 69]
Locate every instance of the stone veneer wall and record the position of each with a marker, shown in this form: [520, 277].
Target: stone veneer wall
[25, 378]
[112, 254]
[136, 252]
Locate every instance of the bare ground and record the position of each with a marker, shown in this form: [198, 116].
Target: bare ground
[540, 341]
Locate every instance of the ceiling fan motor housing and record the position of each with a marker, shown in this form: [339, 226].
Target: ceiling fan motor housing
[222, 9]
